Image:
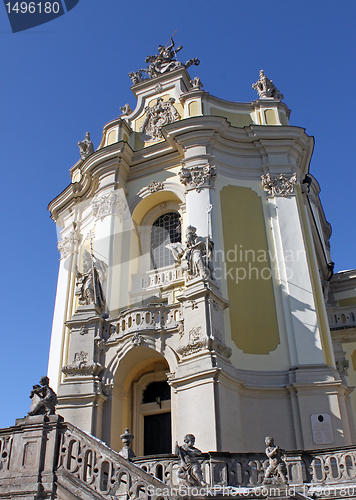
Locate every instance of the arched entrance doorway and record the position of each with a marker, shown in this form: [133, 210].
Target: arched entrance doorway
[141, 401]
[152, 411]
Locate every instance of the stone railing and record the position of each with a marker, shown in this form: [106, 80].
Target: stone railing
[149, 318]
[335, 466]
[157, 278]
[46, 455]
[49, 455]
[102, 469]
[219, 469]
[341, 317]
[327, 467]
[5, 451]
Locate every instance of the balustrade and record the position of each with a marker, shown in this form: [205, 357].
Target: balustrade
[150, 318]
[331, 467]
[87, 461]
[102, 469]
[247, 470]
[157, 278]
[341, 317]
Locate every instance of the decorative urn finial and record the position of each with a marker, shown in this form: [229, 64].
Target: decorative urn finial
[265, 88]
[126, 451]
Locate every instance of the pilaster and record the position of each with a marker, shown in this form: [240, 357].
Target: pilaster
[80, 395]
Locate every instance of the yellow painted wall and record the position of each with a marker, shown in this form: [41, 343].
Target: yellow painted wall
[112, 137]
[236, 119]
[270, 117]
[350, 301]
[253, 317]
[193, 108]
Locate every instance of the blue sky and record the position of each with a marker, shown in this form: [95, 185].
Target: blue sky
[70, 75]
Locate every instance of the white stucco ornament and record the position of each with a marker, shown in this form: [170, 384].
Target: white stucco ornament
[198, 177]
[67, 245]
[279, 186]
[110, 204]
[157, 116]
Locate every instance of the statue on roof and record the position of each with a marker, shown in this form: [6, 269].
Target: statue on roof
[86, 147]
[266, 88]
[161, 63]
[125, 110]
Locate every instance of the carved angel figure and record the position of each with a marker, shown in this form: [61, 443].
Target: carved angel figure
[189, 472]
[86, 147]
[44, 399]
[276, 470]
[88, 287]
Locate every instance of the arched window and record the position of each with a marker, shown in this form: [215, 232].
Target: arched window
[156, 392]
[166, 229]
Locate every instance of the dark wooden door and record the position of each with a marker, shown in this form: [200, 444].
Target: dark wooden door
[157, 434]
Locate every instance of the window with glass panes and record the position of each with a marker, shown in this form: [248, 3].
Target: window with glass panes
[166, 229]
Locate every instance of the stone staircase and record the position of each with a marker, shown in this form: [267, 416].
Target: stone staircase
[46, 458]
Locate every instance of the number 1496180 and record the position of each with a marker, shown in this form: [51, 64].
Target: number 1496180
[33, 7]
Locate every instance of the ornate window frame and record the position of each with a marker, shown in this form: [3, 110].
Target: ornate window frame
[144, 231]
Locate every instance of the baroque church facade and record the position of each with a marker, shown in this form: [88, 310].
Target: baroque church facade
[196, 303]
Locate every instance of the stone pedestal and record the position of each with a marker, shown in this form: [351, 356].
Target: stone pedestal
[32, 451]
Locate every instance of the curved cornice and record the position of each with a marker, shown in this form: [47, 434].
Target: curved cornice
[96, 166]
[279, 149]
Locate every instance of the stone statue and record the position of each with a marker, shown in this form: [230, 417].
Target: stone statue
[88, 287]
[44, 399]
[157, 116]
[126, 110]
[196, 256]
[196, 83]
[189, 472]
[266, 88]
[276, 471]
[86, 147]
[161, 63]
[136, 77]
